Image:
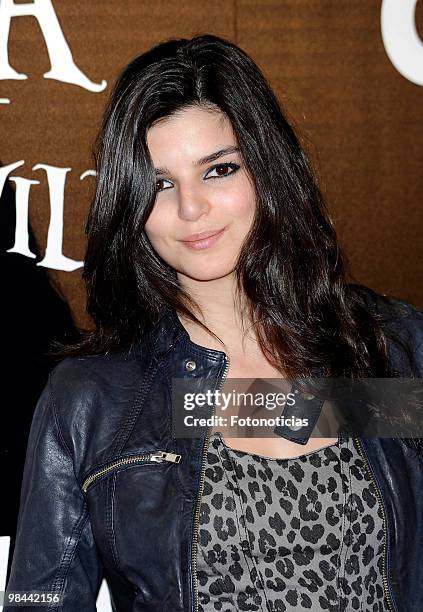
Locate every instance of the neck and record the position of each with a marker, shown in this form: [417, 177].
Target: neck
[221, 310]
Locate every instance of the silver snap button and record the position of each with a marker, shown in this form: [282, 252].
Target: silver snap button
[295, 427]
[190, 365]
[307, 396]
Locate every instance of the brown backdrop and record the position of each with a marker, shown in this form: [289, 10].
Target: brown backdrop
[360, 119]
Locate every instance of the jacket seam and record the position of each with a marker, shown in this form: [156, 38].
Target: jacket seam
[69, 552]
[57, 423]
[110, 526]
[130, 421]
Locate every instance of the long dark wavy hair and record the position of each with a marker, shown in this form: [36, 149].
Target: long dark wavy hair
[304, 312]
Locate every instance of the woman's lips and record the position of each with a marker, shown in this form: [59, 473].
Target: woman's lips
[203, 243]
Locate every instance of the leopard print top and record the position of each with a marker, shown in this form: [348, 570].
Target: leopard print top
[304, 533]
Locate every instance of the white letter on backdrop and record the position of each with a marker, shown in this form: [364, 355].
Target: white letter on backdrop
[21, 203]
[54, 257]
[63, 67]
[402, 43]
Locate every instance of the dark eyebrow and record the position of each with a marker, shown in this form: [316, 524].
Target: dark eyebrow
[207, 159]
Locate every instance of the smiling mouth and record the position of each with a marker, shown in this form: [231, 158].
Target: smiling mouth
[202, 235]
[205, 240]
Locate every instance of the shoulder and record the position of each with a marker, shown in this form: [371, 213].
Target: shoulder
[78, 373]
[87, 389]
[403, 327]
[388, 306]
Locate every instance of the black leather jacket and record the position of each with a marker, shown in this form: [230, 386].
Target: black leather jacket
[109, 492]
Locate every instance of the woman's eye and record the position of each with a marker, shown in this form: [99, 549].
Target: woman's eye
[223, 170]
[159, 187]
[220, 171]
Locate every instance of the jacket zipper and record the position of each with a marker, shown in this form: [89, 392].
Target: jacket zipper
[157, 456]
[198, 505]
[385, 551]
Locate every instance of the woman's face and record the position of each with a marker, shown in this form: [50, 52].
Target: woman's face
[197, 195]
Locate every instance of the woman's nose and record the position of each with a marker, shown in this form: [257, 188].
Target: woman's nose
[192, 203]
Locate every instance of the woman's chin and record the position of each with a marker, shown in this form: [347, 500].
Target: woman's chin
[206, 273]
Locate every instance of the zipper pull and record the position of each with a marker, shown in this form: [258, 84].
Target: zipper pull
[163, 456]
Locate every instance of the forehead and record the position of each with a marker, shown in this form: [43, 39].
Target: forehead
[190, 131]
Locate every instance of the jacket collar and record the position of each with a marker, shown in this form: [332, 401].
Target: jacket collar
[168, 331]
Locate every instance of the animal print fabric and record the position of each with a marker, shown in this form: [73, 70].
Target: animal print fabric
[304, 533]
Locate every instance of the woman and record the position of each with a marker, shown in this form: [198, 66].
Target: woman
[211, 257]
